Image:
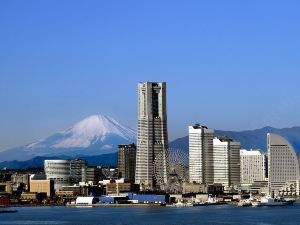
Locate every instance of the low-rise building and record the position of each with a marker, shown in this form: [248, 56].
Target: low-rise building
[6, 187]
[70, 191]
[118, 188]
[4, 201]
[86, 200]
[193, 188]
[21, 180]
[148, 198]
[93, 174]
[29, 196]
[42, 186]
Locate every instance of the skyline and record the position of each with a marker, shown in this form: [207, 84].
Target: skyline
[228, 66]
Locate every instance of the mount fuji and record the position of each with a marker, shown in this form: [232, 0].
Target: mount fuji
[94, 135]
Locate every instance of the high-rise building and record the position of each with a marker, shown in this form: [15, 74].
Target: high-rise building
[226, 157]
[152, 140]
[65, 172]
[59, 171]
[284, 174]
[253, 166]
[77, 171]
[201, 168]
[126, 162]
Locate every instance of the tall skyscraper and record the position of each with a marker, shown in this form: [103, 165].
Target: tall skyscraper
[284, 174]
[152, 137]
[201, 154]
[127, 161]
[226, 158]
[253, 166]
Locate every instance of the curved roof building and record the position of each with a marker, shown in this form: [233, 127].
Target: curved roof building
[284, 172]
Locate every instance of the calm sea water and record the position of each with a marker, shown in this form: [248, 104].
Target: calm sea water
[214, 215]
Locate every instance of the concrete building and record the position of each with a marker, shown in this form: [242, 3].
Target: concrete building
[284, 174]
[65, 172]
[152, 139]
[127, 161]
[253, 166]
[77, 171]
[71, 191]
[42, 186]
[193, 188]
[201, 154]
[226, 158]
[58, 171]
[38, 197]
[118, 188]
[6, 187]
[93, 174]
[21, 180]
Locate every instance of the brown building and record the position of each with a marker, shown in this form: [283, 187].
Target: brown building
[4, 201]
[126, 162]
[6, 187]
[71, 191]
[193, 188]
[33, 196]
[42, 186]
[93, 174]
[118, 188]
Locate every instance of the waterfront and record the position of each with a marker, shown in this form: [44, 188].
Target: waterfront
[209, 215]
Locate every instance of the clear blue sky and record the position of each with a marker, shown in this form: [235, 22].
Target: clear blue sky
[228, 64]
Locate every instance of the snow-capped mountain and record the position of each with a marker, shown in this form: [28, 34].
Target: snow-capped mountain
[94, 135]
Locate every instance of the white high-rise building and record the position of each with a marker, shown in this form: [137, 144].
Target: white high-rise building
[201, 154]
[253, 166]
[226, 158]
[152, 137]
[65, 172]
[59, 171]
[284, 174]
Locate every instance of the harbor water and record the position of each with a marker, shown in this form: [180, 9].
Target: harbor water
[214, 215]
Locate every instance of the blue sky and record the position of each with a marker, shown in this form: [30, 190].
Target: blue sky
[228, 64]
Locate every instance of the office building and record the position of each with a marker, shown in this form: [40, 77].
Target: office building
[93, 174]
[77, 171]
[118, 188]
[21, 181]
[58, 171]
[201, 154]
[42, 186]
[189, 188]
[284, 174]
[253, 166]
[126, 162]
[65, 172]
[226, 158]
[152, 139]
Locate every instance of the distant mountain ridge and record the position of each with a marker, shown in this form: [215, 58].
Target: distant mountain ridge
[106, 160]
[96, 139]
[256, 139]
[94, 135]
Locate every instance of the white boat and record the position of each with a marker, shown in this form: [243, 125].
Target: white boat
[180, 204]
[271, 202]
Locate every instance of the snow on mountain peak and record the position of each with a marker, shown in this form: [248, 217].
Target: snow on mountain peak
[93, 128]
